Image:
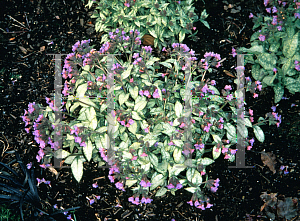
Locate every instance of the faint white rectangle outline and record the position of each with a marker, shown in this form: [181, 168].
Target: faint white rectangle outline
[240, 146]
[240, 155]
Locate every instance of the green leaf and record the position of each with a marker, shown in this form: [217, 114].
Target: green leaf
[168, 65]
[161, 191]
[217, 139]
[268, 80]
[130, 183]
[126, 73]
[88, 150]
[216, 152]
[177, 154]
[61, 154]
[77, 169]
[140, 105]
[123, 98]
[135, 116]
[133, 128]
[134, 92]
[290, 46]
[191, 189]
[162, 167]
[69, 159]
[153, 159]
[259, 134]
[230, 129]
[279, 92]
[257, 72]
[157, 181]
[181, 36]
[205, 23]
[178, 108]
[193, 176]
[267, 61]
[80, 92]
[206, 161]
[152, 32]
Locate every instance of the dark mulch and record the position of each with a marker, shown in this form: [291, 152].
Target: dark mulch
[27, 75]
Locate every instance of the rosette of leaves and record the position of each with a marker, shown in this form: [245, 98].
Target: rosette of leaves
[149, 145]
[23, 190]
[274, 50]
[164, 20]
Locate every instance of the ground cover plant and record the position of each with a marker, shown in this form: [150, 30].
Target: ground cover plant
[237, 187]
[165, 21]
[276, 47]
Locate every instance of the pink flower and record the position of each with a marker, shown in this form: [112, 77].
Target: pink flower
[190, 202]
[95, 185]
[250, 112]
[134, 158]
[249, 148]
[233, 51]
[227, 87]
[208, 205]
[251, 15]
[147, 130]
[170, 186]
[131, 80]
[255, 95]
[144, 154]
[213, 82]
[262, 37]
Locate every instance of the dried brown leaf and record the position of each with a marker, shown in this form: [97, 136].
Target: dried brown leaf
[268, 159]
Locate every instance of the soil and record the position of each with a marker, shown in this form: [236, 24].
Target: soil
[27, 75]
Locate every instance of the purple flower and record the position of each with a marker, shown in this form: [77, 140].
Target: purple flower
[170, 186]
[146, 93]
[131, 121]
[111, 178]
[213, 189]
[262, 37]
[155, 94]
[205, 88]
[178, 186]
[213, 82]
[227, 87]
[91, 201]
[251, 15]
[29, 165]
[273, 108]
[208, 205]
[135, 55]
[190, 202]
[229, 97]
[233, 51]
[120, 186]
[95, 185]
[274, 9]
[266, 2]
[78, 139]
[268, 10]
[251, 141]
[297, 15]
[144, 184]
[279, 28]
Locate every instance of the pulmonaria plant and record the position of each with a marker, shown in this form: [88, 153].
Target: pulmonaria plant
[163, 20]
[275, 47]
[155, 141]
